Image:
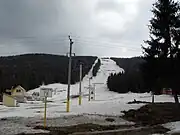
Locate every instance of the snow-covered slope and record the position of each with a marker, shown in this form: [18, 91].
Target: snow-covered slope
[106, 102]
[107, 66]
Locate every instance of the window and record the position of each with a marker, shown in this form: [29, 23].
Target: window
[18, 90]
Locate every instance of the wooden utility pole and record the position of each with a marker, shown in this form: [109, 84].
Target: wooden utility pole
[45, 110]
[80, 78]
[69, 75]
[89, 87]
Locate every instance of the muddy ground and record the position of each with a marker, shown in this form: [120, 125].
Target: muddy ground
[84, 129]
[148, 118]
[153, 114]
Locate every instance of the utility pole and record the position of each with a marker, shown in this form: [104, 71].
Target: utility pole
[69, 75]
[45, 106]
[80, 78]
[89, 87]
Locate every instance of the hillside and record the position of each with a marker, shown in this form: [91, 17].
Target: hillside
[106, 102]
[30, 70]
[129, 64]
[132, 80]
[106, 106]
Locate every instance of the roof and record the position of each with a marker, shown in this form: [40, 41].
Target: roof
[9, 96]
[19, 87]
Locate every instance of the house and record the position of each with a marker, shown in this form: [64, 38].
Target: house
[9, 101]
[1, 98]
[18, 93]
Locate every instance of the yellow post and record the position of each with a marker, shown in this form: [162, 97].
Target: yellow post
[69, 75]
[45, 105]
[80, 79]
[89, 89]
[67, 107]
[80, 99]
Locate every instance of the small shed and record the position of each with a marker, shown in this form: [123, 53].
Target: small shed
[18, 93]
[9, 101]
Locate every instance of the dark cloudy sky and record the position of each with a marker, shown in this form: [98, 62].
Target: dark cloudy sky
[98, 27]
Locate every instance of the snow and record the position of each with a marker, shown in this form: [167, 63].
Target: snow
[16, 125]
[157, 134]
[6, 129]
[106, 102]
[173, 126]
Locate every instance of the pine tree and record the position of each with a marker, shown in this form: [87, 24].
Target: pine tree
[163, 46]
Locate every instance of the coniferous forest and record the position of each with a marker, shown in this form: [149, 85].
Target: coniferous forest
[161, 55]
[30, 70]
[96, 67]
[131, 79]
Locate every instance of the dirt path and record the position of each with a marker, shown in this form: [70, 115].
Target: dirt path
[16, 125]
[92, 129]
[146, 118]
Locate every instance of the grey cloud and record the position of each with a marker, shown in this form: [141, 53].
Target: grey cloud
[138, 29]
[43, 26]
[32, 25]
[109, 5]
[27, 17]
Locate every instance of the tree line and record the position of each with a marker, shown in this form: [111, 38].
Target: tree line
[131, 79]
[96, 67]
[161, 54]
[30, 70]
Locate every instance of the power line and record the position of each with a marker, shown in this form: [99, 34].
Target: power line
[105, 40]
[81, 42]
[62, 39]
[106, 43]
[110, 47]
[36, 37]
[85, 44]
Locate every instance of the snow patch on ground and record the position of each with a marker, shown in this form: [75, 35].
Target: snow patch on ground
[16, 125]
[173, 126]
[85, 118]
[12, 126]
[106, 102]
[157, 134]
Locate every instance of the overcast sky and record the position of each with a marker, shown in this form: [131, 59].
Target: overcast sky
[98, 27]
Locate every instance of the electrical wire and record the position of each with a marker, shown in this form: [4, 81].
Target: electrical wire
[79, 41]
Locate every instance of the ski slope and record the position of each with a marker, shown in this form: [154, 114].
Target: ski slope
[105, 103]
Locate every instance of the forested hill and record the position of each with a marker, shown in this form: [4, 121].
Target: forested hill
[30, 70]
[131, 80]
[129, 64]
